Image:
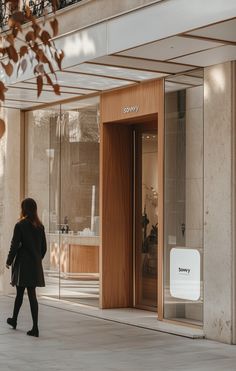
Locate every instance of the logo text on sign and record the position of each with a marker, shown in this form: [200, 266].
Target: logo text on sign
[130, 109]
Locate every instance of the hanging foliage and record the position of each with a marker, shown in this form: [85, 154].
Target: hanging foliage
[27, 43]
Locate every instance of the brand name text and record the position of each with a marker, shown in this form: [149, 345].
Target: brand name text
[130, 109]
[184, 270]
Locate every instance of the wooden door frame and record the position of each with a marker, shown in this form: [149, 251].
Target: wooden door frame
[149, 100]
[147, 125]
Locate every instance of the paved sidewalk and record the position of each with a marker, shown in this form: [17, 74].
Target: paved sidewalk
[70, 341]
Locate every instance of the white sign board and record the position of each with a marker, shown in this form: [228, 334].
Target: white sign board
[185, 281]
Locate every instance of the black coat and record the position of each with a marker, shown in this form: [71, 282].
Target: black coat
[28, 247]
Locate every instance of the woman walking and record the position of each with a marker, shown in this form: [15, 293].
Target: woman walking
[28, 247]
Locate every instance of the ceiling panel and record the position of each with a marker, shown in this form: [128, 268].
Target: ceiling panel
[196, 73]
[119, 72]
[133, 63]
[88, 102]
[172, 86]
[185, 79]
[170, 48]
[31, 95]
[210, 57]
[31, 84]
[88, 82]
[222, 31]
[19, 105]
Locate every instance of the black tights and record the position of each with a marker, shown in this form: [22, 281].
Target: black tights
[33, 303]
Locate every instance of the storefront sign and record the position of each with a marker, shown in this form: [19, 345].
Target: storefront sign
[185, 281]
[130, 109]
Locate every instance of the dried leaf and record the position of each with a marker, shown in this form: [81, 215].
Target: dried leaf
[29, 36]
[56, 89]
[37, 45]
[54, 25]
[3, 51]
[2, 128]
[18, 69]
[18, 17]
[27, 11]
[50, 66]
[39, 84]
[45, 37]
[15, 31]
[3, 89]
[39, 69]
[14, 25]
[10, 38]
[12, 53]
[36, 29]
[58, 58]
[49, 80]
[8, 68]
[23, 50]
[23, 65]
[40, 55]
[34, 47]
[54, 5]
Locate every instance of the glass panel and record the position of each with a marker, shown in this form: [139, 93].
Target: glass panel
[146, 219]
[183, 239]
[42, 184]
[79, 204]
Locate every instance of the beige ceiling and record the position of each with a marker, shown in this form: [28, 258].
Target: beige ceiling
[174, 58]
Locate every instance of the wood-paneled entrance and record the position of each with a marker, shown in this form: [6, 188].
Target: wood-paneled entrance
[120, 110]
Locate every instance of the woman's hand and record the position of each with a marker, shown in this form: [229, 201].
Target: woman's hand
[7, 266]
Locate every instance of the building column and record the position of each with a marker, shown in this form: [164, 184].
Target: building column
[219, 202]
[11, 182]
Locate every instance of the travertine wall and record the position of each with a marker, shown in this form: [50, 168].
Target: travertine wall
[88, 12]
[10, 188]
[219, 196]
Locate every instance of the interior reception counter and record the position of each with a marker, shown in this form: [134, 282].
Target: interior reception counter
[73, 254]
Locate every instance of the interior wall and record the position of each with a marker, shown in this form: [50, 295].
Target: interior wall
[62, 167]
[150, 181]
[37, 161]
[80, 169]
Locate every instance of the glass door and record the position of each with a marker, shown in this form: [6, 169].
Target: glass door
[146, 216]
[79, 202]
[42, 182]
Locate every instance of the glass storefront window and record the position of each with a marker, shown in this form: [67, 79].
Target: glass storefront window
[183, 200]
[42, 182]
[62, 168]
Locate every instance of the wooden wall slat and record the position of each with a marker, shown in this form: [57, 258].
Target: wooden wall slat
[116, 218]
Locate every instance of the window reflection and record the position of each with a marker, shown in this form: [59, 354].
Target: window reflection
[63, 176]
[183, 199]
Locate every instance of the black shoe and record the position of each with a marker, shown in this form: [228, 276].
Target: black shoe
[33, 332]
[12, 322]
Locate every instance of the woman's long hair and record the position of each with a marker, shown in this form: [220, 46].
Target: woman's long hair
[29, 211]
